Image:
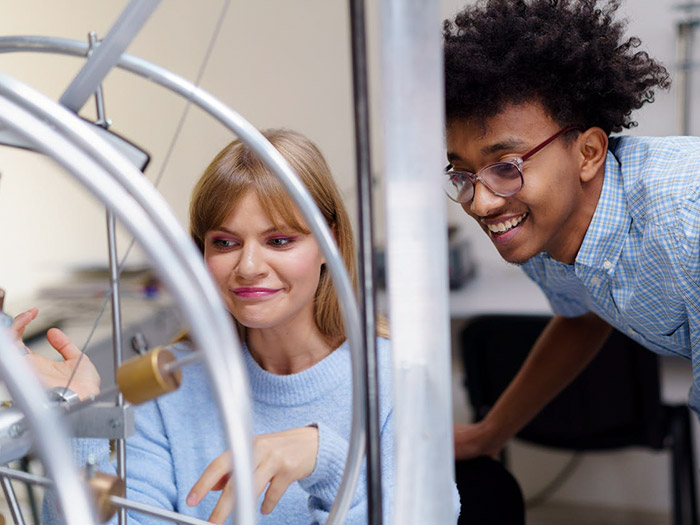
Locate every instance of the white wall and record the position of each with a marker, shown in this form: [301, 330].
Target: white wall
[278, 63]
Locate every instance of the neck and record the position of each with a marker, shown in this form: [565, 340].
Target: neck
[579, 222]
[285, 351]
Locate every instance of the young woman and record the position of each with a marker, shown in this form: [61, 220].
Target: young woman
[272, 276]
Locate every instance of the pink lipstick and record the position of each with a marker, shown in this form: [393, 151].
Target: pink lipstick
[250, 292]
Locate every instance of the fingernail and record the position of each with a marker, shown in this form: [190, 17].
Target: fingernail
[191, 499]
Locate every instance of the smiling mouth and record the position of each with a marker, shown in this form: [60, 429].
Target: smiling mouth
[250, 292]
[503, 227]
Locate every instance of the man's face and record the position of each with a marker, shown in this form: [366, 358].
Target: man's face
[548, 214]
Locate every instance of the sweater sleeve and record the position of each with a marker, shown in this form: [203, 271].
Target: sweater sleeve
[150, 475]
[324, 482]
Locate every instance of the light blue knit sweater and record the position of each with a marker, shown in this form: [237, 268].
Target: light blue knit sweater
[179, 434]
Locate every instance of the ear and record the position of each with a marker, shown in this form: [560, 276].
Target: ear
[593, 144]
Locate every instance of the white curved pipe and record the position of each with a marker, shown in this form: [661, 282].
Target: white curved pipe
[48, 126]
[279, 166]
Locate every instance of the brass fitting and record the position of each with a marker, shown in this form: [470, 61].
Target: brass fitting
[146, 377]
[102, 487]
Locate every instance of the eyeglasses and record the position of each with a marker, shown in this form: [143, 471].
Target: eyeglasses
[504, 179]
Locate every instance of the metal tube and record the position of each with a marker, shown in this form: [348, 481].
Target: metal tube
[686, 38]
[121, 502]
[366, 267]
[194, 357]
[155, 511]
[182, 269]
[51, 438]
[12, 502]
[115, 296]
[277, 164]
[413, 107]
[103, 58]
[116, 338]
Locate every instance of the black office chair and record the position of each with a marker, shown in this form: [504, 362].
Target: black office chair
[615, 402]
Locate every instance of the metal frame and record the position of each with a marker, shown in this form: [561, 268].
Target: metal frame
[76, 147]
[51, 436]
[278, 165]
[417, 265]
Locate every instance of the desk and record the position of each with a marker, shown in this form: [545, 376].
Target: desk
[498, 289]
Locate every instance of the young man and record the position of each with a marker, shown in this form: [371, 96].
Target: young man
[609, 228]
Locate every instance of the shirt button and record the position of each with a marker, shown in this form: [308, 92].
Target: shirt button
[607, 265]
[595, 281]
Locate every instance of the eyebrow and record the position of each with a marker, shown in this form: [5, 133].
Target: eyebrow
[223, 229]
[505, 145]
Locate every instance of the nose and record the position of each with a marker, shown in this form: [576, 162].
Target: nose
[251, 264]
[484, 203]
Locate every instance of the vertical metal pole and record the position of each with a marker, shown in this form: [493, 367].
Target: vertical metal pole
[413, 107]
[115, 299]
[116, 340]
[366, 267]
[12, 502]
[686, 33]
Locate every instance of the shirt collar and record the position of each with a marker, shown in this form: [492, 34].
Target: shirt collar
[608, 230]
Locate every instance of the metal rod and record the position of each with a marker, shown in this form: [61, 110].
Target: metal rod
[12, 502]
[686, 38]
[116, 339]
[123, 503]
[366, 248]
[26, 477]
[115, 296]
[155, 511]
[194, 357]
[416, 233]
[104, 394]
[103, 59]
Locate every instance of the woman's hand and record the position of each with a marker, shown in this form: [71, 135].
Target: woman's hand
[280, 459]
[86, 381]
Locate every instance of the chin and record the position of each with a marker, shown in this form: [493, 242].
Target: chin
[516, 257]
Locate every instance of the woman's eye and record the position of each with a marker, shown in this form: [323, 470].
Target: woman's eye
[223, 243]
[281, 242]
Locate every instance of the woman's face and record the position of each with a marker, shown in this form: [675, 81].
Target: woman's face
[268, 278]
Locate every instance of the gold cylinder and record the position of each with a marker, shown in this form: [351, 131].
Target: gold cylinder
[146, 376]
[102, 486]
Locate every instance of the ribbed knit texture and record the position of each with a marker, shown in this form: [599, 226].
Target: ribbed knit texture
[179, 434]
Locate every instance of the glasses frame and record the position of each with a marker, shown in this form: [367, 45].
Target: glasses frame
[517, 162]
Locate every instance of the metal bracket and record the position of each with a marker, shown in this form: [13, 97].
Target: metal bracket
[103, 420]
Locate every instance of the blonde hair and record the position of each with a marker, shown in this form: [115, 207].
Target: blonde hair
[236, 170]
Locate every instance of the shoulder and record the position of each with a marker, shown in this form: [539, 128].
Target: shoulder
[663, 192]
[659, 174]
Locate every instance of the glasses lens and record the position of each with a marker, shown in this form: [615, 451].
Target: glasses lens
[503, 179]
[458, 186]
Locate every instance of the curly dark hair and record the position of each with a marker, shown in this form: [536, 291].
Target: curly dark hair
[569, 55]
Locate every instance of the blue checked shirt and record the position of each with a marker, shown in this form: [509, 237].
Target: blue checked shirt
[639, 264]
